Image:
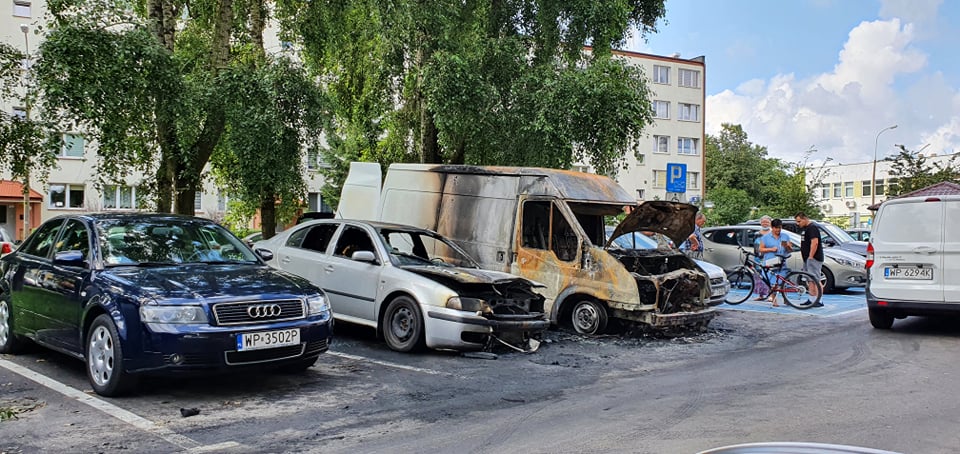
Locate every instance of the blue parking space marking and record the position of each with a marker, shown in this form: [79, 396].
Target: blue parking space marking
[834, 304]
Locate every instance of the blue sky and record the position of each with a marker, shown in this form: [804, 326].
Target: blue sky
[824, 73]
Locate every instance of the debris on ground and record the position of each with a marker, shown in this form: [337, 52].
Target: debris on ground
[9, 409]
[188, 412]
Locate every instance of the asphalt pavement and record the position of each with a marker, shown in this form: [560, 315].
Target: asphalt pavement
[834, 304]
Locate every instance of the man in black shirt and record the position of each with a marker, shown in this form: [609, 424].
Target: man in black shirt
[812, 251]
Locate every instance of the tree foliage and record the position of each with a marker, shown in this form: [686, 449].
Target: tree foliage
[476, 82]
[915, 171]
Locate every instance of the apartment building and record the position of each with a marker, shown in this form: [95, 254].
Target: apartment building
[847, 190]
[675, 140]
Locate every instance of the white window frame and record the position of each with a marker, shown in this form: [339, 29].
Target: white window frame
[67, 189]
[693, 180]
[688, 146]
[223, 202]
[688, 78]
[825, 191]
[848, 190]
[688, 112]
[661, 144]
[661, 109]
[837, 190]
[117, 190]
[656, 179]
[313, 159]
[22, 8]
[198, 201]
[661, 74]
[64, 147]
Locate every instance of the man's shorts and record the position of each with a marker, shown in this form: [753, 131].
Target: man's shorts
[813, 267]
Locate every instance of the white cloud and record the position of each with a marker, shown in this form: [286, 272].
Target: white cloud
[913, 11]
[842, 111]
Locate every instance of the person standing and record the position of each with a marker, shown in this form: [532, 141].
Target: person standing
[812, 250]
[774, 247]
[693, 246]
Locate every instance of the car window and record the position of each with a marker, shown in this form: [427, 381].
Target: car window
[318, 237]
[131, 241]
[544, 227]
[351, 240]
[409, 247]
[42, 240]
[75, 238]
[296, 238]
[724, 236]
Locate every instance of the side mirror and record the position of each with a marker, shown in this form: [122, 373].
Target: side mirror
[364, 256]
[69, 258]
[265, 254]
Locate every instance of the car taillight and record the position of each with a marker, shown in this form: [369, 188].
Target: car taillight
[869, 255]
[6, 249]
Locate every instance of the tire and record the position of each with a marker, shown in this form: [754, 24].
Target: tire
[880, 319]
[104, 358]
[795, 291]
[588, 317]
[826, 280]
[10, 343]
[741, 285]
[403, 325]
[298, 366]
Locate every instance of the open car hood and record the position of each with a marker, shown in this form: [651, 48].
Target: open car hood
[673, 219]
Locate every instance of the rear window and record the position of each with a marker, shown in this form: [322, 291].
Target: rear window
[898, 222]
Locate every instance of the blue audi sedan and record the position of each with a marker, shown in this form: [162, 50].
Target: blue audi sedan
[141, 293]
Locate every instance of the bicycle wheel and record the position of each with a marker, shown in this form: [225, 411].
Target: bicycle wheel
[796, 292]
[741, 285]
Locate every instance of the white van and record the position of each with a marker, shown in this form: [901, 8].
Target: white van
[913, 259]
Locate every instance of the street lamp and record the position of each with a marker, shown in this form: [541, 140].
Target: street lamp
[26, 178]
[873, 178]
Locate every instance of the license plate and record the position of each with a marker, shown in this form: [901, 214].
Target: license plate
[268, 339]
[908, 272]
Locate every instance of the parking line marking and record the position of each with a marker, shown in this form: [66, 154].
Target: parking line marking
[128, 417]
[388, 364]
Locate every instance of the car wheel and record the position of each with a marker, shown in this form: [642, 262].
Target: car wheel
[826, 280]
[299, 366]
[9, 343]
[403, 325]
[104, 357]
[588, 317]
[881, 319]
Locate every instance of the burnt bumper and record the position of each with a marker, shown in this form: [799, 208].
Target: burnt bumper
[499, 324]
[658, 320]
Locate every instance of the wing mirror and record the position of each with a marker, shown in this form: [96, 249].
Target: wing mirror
[69, 258]
[265, 254]
[364, 256]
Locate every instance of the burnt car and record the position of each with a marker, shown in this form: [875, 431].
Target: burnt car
[151, 293]
[415, 287]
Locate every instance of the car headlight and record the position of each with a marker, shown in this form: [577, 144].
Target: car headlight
[468, 304]
[172, 314]
[317, 305]
[847, 262]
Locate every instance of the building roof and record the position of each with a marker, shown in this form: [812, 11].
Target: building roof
[941, 188]
[14, 190]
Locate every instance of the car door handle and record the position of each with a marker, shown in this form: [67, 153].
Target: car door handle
[924, 250]
[285, 260]
[709, 249]
[328, 268]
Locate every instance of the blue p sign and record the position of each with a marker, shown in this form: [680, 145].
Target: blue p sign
[676, 177]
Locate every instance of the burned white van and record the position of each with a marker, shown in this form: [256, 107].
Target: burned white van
[547, 225]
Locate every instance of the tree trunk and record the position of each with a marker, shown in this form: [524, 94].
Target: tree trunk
[268, 216]
[429, 142]
[257, 24]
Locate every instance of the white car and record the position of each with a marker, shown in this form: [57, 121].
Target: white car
[719, 285]
[415, 287]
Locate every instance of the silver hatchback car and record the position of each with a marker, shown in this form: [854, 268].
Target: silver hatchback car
[415, 287]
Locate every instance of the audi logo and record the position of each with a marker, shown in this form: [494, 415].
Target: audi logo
[264, 310]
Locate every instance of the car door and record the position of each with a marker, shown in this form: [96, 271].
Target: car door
[304, 253]
[29, 292]
[721, 247]
[951, 249]
[907, 238]
[352, 284]
[548, 248]
[66, 281]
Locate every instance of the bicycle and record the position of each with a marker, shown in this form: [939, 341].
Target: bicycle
[793, 285]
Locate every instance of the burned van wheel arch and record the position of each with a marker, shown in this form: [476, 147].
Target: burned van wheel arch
[587, 316]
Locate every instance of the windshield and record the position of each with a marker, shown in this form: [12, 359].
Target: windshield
[163, 241]
[632, 240]
[836, 232]
[415, 247]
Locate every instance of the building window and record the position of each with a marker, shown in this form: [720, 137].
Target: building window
[836, 190]
[222, 201]
[879, 184]
[848, 189]
[312, 159]
[21, 8]
[687, 145]
[661, 109]
[689, 112]
[313, 201]
[661, 144]
[66, 196]
[825, 191]
[19, 112]
[659, 178]
[72, 146]
[693, 180]
[865, 188]
[197, 199]
[688, 78]
[661, 74]
[116, 197]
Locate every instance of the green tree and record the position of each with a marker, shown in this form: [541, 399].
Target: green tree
[731, 206]
[477, 82]
[914, 171]
[732, 161]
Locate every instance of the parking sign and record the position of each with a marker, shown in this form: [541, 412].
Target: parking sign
[676, 177]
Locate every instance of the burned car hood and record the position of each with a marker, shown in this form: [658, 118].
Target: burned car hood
[468, 275]
[673, 219]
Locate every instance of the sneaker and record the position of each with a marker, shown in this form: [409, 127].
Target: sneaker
[812, 304]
